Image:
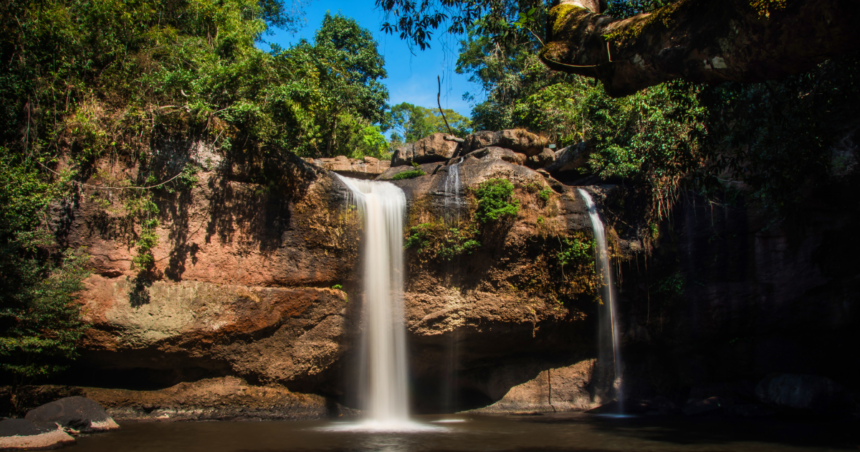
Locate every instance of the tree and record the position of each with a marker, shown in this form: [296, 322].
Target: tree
[411, 122]
[351, 74]
[39, 320]
[696, 40]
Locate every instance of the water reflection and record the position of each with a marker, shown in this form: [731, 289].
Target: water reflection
[550, 433]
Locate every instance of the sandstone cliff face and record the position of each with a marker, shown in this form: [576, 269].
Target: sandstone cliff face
[243, 277]
[262, 284]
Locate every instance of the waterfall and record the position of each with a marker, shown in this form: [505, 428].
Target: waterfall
[383, 207]
[453, 194]
[453, 205]
[609, 343]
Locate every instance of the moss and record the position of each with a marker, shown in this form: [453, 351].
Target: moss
[626, 35]
[765, 7]
[563, 15]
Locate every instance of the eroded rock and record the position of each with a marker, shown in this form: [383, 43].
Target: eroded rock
[214, 399]
[565, 388]
[434, 148]
[811, 393]
[297, 333]
[497, 153]
[77, 413]
[545, 158]
[518, 140]
[23, 434]
[570, 158]
[366, 168]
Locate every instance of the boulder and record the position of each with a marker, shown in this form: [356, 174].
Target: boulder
[428, 168]
[662, 406]
[527, 388]
[26, 435]
[809, 393]
[223, 398]
[497, 153]
[78, 413]
[366, 168]
[434, 148]
[519, 140]
[698, 407]
[545, 158]
[570, 158]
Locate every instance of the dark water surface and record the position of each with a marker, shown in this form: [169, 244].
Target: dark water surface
[568, 432]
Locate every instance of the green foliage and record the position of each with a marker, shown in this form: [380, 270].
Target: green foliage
[671, 285]
[545, 194]
[39, 320]
[41, 324]
[438, 241]
[495, 200]
[775, 137]
[575, 251]
[337, 287]
[411, 123]
[411, 174]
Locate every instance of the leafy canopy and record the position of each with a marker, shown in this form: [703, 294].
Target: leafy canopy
[410, 123]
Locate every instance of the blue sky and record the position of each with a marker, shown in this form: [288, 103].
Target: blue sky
[411, 78]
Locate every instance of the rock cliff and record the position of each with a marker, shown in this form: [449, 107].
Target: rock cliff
[255, 293]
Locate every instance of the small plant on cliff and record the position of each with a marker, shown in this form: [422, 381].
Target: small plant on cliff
[417, 172]
[495, 200]
[545, 194]
[436, 241]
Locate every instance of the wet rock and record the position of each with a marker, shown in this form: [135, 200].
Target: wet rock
[435, 148]
[518, 140]
[77, 413]
[810, 393]
[23, 434]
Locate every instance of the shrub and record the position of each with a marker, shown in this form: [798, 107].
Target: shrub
[436, 241]
[411, 174]
[545, 194]
[495, 200]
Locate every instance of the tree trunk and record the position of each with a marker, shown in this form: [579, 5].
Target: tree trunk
[706, 41]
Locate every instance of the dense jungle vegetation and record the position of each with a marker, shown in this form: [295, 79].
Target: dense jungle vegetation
[83, 80]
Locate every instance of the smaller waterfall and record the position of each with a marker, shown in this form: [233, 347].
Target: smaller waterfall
[453, 194]
[609, 330]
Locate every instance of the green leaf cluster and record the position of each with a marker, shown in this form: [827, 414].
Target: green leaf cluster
[438, 241]
[39, 319]
[495, 200]
[410, 123]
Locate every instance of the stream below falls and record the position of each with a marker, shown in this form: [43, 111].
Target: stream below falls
[554, 432]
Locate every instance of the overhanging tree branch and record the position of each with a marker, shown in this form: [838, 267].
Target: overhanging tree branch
[702, 41]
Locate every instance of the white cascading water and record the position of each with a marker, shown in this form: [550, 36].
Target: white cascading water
[607, 294]
[453, 194]
[383, 207]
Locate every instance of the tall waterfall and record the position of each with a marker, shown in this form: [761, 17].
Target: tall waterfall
[383, 207]
[609, 343]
